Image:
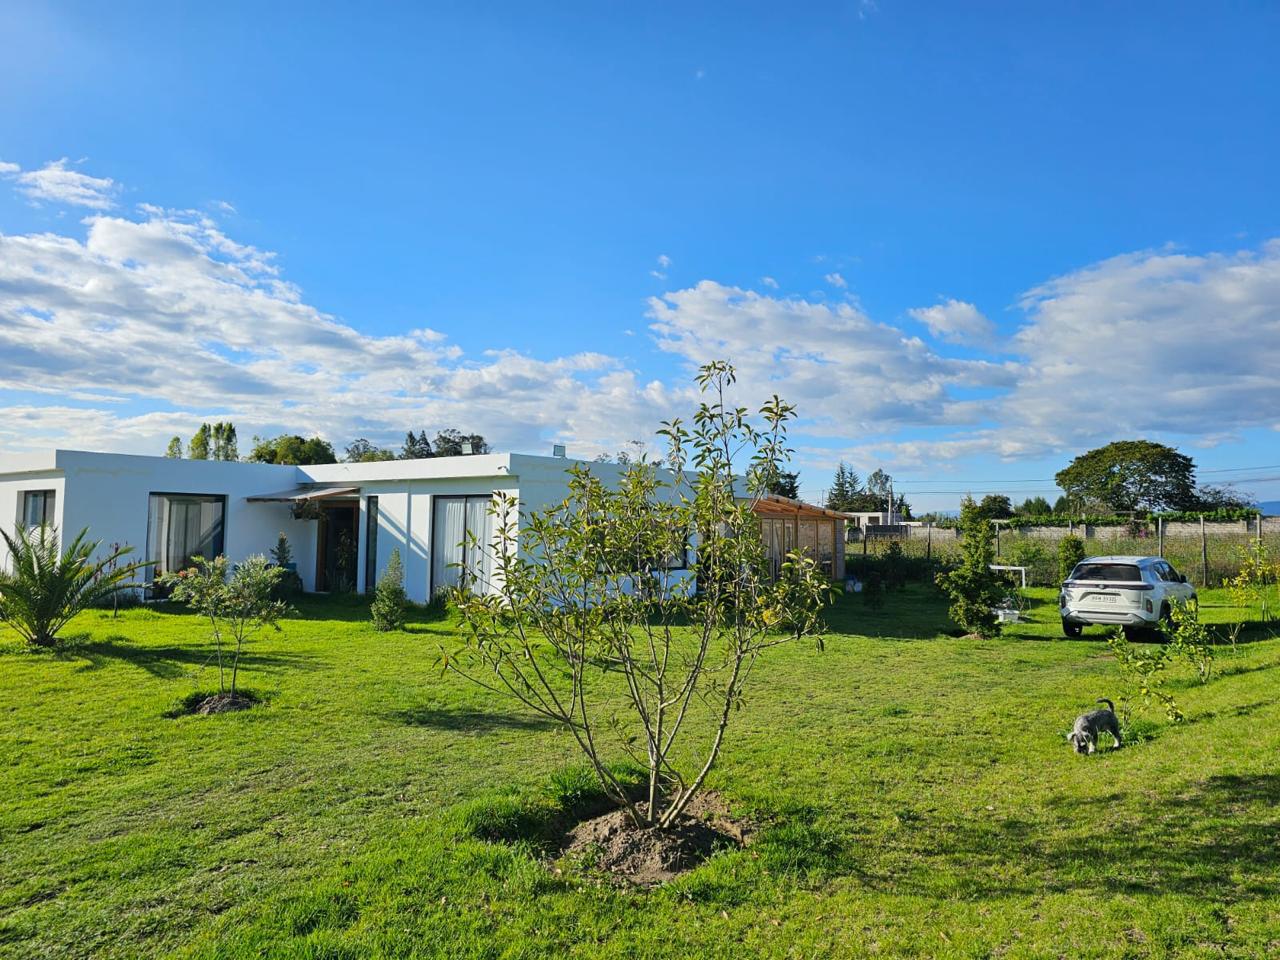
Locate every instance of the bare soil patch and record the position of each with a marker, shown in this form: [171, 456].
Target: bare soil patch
[205, 704]
[648, 856]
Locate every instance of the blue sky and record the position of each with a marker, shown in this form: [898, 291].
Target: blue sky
[969, 241]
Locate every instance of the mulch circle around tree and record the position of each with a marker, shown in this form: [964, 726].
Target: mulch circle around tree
[648, 856]
[204, 704]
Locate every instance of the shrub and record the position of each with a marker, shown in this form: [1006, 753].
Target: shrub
[1035, 556]
[974, 588]
[1070, 552]
[237, 607]
[45, 588]
[389, 600]
[290, 584]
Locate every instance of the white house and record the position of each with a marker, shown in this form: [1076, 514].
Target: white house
[342, 520]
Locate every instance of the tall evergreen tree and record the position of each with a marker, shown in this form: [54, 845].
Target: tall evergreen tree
[786, 485]
[974, 588]
[175, 449]
[416, 446]
[845, 488]
[198, 448]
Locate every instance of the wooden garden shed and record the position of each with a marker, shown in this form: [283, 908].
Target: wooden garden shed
[788, 525]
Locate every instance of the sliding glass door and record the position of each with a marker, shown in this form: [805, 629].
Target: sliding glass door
[182, 526]
[455, 559]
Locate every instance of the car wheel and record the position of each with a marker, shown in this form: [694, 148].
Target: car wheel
[1133, 633]
[1071, 629]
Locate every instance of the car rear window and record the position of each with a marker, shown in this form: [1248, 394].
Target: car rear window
[1107, 572]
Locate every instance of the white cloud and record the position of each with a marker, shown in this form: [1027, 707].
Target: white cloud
[167, 311]
[849, 375]
[955, 320]
[56, 182]
[664, 261]
[1168, 346]
[9, 168]
[769, 282]
[836, 280]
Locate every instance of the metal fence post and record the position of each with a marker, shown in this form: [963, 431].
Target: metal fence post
[1204, 556]
[1160, 533]
[928, 543]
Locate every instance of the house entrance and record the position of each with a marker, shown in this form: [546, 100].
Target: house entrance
[337, 546]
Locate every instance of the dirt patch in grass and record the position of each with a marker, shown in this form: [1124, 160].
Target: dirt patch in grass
[648, 856]
[202, 703]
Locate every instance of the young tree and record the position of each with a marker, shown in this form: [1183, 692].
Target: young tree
[198, 448]
[584, 592]
[974, 588]
[416, 447]
[1130, 475]
[45, 587]
[389, 600]
[1070, 553]
[238, 608]
[174, 451]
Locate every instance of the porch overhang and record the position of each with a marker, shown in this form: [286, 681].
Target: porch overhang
[773, 505]
[305, 495]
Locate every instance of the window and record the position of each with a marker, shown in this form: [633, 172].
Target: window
[455, 523]
[371, 544]
[37, 508]
[1107, 572]
[181, 526]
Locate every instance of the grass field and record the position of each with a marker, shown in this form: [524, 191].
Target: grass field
[914, 791]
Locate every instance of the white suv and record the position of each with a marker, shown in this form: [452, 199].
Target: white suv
[1135, 593]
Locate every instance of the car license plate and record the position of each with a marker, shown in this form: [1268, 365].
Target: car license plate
[1106, 598]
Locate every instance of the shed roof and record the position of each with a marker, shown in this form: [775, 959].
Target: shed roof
[775, 505]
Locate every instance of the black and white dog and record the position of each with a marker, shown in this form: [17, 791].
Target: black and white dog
[1084, 735]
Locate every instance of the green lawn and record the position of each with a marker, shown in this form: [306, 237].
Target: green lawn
[915, 792]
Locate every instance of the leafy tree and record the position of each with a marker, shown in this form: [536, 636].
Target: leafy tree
[1222, 498]
[845, 488]
[1034, 507]
[1130, 475]
[389, 599]
[416, 447]
[45, 587]
[292, 449]
[786, 484]
[1062, 506]
[585, 586]
[223, 442]
[238, 608]
[1070, 553]
[996, 506]
[449, 443]
[174, 451]
[974, 588]
[198, 448]
[361, 450]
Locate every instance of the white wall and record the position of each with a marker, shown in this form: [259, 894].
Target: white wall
[109, 495]
[27, 474]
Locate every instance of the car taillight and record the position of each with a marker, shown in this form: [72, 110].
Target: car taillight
[1150, 608]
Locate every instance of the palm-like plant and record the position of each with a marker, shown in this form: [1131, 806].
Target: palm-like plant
[45, 587]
